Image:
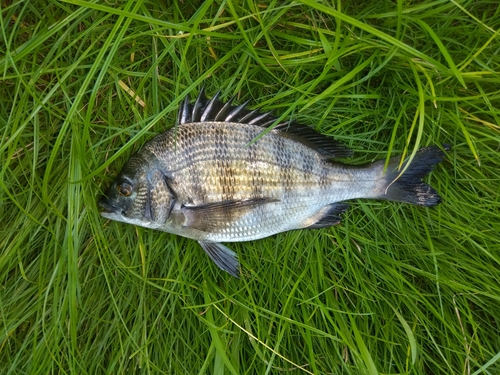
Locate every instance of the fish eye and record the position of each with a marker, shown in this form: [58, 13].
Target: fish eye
[124, 189]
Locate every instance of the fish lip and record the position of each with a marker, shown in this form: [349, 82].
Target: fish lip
[108, 207]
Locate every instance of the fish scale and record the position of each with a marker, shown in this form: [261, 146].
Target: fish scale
[215, 178]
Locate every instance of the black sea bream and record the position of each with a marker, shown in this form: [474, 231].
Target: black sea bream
[211, 180]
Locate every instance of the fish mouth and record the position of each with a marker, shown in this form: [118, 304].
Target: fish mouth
[109, 209]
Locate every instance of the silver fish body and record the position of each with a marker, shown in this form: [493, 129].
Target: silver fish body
[214, 178]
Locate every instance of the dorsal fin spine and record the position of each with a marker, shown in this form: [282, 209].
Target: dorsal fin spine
[257, 120]
[209, 107]
[248, 115]
[198, 105]
[224, 109]
[236, 111]
[184, 112]
[268, 123]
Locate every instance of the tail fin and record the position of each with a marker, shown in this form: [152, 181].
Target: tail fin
[409, 187]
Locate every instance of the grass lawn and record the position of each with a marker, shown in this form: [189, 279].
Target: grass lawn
[394, 289]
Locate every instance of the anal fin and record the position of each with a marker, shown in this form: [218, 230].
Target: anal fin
[222, 256]
[328, 216]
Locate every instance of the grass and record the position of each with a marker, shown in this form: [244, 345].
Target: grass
[394, 289]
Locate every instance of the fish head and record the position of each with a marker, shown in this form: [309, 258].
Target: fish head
[138, 195]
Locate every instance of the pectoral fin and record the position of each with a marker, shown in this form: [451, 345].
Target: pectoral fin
[213, 217]
[223, 257]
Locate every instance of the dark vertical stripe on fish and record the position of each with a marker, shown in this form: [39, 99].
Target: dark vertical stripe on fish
[307, 167]
[193, 162]
[223, 166]
[251, 158]
[323, 177]
[283, 159]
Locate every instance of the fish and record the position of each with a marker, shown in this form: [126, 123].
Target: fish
[224, 174]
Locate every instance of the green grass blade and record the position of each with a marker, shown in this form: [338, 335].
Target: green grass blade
[444, 51]
[354, 22]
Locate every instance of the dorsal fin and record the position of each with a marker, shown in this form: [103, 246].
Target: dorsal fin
[213, 110]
